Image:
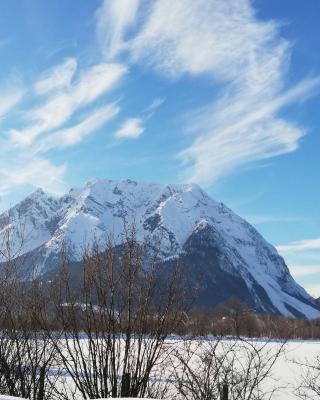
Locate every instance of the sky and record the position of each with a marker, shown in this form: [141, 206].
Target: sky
[223, 93]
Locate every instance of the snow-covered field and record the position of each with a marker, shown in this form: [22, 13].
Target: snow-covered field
[286, 373]
[286, 370]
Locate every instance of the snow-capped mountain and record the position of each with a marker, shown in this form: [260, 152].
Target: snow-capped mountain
[218, 249]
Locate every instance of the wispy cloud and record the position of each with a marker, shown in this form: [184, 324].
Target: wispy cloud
[21, 169]
[67, 105]
[253, 133]
[303, 258]
[92, 84]
[300, 246]
[57, 78]
[114, 17]
[299, 271]
[227, 42]
[70, 95]
[269, 219]
[132, 128]
[313, 289]
[149, 111]
[205, 36]
[243, 57]
[9, 100]
[75, 134]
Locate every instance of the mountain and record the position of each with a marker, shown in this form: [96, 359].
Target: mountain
[219, 250]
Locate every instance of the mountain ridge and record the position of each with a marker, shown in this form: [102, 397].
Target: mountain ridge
[193, 227]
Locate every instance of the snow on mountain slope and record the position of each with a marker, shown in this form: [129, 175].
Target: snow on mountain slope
[29, 224]
[170, 214]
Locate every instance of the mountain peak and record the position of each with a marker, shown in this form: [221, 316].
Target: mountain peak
[39, 193]
[205, 235]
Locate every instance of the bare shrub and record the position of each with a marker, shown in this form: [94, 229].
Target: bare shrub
[113, 323]
[201, 369]
[26, 353]
[308, 387]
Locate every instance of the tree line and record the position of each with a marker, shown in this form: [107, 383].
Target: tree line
[236, 318]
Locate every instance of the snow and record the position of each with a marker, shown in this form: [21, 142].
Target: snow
[287, 371]
[170, 213]
[286, 374]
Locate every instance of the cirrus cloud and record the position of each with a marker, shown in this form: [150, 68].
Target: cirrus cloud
[58, 77]
[92, 84]
[75, 134]
[50, 124]
[247, 57]
[114, 17]
[301, 245]
[9, 100]
[131, 129]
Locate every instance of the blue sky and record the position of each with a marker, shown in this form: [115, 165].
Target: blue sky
[224, 93]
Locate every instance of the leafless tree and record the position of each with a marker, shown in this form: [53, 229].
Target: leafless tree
[26, 353]
[308, 388]
[201, 369]
[115, 321]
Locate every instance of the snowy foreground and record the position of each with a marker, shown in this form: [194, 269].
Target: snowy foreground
[286, 373]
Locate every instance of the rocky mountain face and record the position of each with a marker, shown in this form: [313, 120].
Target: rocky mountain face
[219, 250]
